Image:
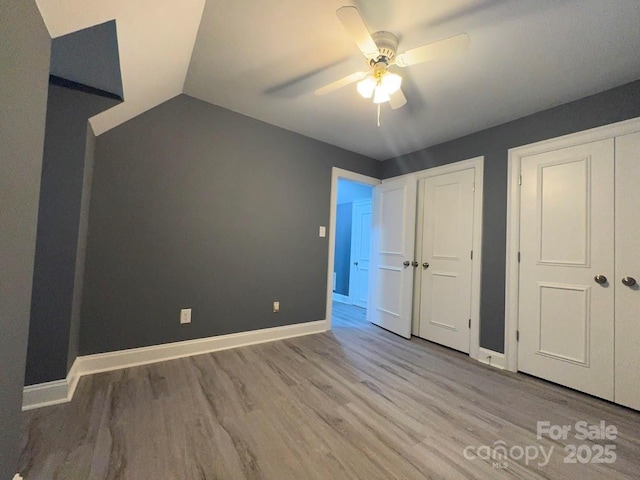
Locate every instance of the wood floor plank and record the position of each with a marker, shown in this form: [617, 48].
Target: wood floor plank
[354, 403]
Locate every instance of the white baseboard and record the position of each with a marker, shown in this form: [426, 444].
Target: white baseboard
[494, 359]
[44, 394]
[104, 362]
[61, 391]
[338, 297]
[51, 393]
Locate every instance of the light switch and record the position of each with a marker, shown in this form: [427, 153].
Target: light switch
[323, 231]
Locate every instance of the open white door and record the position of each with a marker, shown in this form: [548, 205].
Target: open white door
[392, 251]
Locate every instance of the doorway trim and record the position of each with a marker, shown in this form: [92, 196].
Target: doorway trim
[512, 267]
[337, 173]
[477, 163]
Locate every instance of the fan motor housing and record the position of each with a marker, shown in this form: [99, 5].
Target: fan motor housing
[387, 44]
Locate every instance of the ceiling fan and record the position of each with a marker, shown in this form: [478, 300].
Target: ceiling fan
[380, 52]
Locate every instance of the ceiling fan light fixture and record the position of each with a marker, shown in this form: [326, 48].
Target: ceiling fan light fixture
[391, 82]
[379, 85]
[380, 95]
[367, 86]
[380, 50]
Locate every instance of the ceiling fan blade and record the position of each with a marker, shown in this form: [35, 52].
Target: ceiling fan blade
[355, 26]
[343, 82]
[397, 100]
[431, 51]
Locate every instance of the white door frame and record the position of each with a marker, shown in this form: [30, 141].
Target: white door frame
[512, 273]
[476, 163]
[337, 173]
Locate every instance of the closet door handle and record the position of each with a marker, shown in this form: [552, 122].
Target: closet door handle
[406, 263]
[425, 265]
[600, 279]
[629, 281]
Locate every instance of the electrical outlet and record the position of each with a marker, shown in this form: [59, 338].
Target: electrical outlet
[185, 315]
[276, 307]
[322, 232]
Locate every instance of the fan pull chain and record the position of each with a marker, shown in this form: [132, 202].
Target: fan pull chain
[378, 114]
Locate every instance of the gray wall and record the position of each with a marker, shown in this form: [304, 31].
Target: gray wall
[342, 257]
[81, 252]
[24, 70]
[73, 56]
[611, 106]
[57, 238]
[195, 206]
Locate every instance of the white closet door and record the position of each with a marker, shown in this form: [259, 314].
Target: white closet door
[627, 299]
[447, 241]
[393, 241]
[566, 230]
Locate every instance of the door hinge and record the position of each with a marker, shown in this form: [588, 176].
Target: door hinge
[471, 254]
[517, 335]
[469, 323]
[518, 257]
[520, 180]
[474, 187]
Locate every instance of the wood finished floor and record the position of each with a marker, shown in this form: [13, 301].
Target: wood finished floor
[354, 403]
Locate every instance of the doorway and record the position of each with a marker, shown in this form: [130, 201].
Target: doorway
[353, 242]
[349, 244]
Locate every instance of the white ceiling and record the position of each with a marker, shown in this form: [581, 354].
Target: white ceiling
[264, 58]
[252, 56]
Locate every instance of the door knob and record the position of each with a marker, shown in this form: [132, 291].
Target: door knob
[425, 265]
[414, 264]
[406, 263]
[600, 279]
[355, 263]
[629, 281]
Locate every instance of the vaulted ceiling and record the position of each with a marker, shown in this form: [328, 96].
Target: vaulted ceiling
[155, 41]
[264, 59]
